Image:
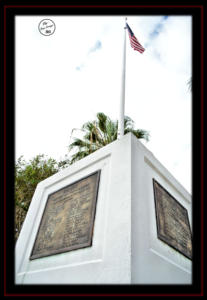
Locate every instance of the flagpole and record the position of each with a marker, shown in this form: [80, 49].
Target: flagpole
[122, 98]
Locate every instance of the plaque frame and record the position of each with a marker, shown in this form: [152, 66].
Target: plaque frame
[74, 247]
[162, 237]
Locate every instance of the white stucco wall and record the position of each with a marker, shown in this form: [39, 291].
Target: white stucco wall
[125, 248]
[109, 259]
[153, 261]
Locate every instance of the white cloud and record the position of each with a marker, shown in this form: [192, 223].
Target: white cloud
[53, 97]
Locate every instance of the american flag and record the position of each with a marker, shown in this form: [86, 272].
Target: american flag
[133, 40]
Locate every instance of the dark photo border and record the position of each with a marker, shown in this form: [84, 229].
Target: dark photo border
[10, 9]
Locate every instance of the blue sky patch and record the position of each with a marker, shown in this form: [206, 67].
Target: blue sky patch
[158, 28]
[96, 47]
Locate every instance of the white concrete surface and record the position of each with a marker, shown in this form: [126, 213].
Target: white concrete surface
[125, 247]
[153, 261]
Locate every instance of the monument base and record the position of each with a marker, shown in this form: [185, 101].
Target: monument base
[138, 232]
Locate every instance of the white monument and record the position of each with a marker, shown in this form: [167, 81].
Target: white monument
[115, 217]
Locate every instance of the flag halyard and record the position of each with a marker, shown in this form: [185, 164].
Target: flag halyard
[133, 41]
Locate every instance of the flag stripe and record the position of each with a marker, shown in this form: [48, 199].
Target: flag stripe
[133, 40]
[135, 43]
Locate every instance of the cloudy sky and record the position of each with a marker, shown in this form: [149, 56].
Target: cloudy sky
[64, 79]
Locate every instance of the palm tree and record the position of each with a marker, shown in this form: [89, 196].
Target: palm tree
[101, 132]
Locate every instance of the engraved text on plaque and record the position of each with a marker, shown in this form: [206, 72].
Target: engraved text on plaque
[68, 219]
[172, 221]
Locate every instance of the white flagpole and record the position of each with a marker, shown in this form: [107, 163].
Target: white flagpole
[122, 98]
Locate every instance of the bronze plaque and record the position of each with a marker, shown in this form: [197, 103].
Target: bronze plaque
[68, 219]
[173, 225]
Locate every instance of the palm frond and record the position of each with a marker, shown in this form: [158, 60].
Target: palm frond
[101, 132]
[139, 133]
[102, 120]
[79, 155]
[128, 122]
[111, 130]
[94, 136]
[79, 143]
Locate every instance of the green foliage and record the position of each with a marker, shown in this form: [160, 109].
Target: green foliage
[97, 134]
[101, 132]
[27, 176]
